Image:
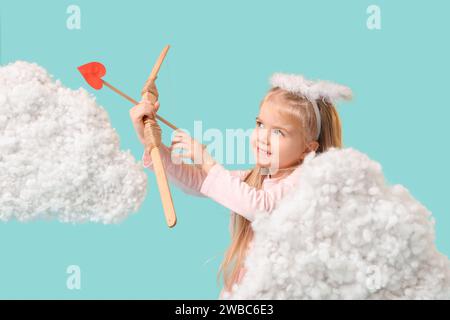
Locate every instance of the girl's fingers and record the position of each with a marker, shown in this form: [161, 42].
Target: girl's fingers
[140, 110]
[177, 158]
[179, 145]
[148, 106]
[151, 107]
[181, 133]
[156, 106]
[146, 97]
[186, 155]
[181, 137]
[181, 155]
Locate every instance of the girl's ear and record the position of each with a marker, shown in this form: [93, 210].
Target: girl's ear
[312, 146]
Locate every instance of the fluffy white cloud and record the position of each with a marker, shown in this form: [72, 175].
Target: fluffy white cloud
[344, 233]
[59, 156]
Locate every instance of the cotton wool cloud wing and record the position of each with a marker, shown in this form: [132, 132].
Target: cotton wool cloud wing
[60, 157]
[344, 233]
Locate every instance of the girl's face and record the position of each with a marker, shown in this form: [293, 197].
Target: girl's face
[277, 140]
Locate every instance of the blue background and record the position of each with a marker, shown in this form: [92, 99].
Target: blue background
[217, 71]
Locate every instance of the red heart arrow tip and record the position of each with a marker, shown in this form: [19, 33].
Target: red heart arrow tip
[93, 72]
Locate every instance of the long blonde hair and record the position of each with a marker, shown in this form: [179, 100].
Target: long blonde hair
[301, 110]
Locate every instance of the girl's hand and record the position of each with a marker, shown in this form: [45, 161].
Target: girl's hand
[137, 113]
[194, 150]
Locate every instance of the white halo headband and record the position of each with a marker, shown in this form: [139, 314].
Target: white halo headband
[312, 91]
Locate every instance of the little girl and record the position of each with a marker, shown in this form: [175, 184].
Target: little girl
[296, 117]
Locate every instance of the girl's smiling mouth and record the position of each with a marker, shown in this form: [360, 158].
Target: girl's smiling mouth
[264, 152]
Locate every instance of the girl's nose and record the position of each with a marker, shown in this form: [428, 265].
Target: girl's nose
[263, 136]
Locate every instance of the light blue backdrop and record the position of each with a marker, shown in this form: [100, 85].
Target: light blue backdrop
[217, 71]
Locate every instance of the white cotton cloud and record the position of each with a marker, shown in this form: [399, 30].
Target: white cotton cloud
[59, 156]
[344, 233]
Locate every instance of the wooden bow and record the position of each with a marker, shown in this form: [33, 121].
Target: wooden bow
[150, 90]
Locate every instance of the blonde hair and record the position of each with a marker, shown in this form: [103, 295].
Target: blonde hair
[301, 110]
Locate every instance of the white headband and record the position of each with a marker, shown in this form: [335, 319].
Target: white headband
[318, 118]
[312, 91]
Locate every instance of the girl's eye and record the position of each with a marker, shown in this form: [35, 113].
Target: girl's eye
[278, 132]
[259, 124]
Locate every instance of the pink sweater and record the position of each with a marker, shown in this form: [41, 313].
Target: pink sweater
[226, 187]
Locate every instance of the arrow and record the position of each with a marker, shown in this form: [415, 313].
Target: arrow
[93, 73]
